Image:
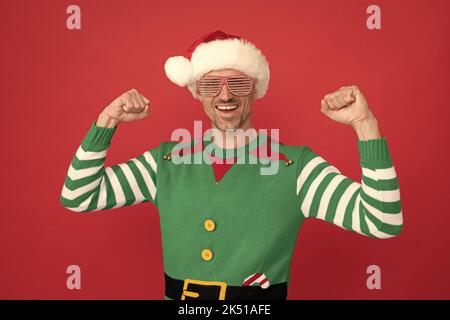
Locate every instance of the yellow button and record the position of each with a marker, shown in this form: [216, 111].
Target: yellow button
[209, 225]
[207, 254]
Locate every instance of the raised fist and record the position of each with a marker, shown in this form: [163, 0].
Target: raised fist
[129, 106]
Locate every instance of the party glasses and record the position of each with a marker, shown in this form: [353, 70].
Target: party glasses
[210, 86]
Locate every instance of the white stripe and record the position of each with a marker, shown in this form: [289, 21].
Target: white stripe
[343, 202]
[117, 187]
[133, 183]
[307, 170]
[101, 203]
[369, 173]
[75, 174]
[382, 195]
[72, 194]
[249, 277]
[380, 174]
[312, 189]
[356, 225]
[148, 157]
[147, 178]
[327, 195]
[395, 219]
[90, 155]
[261, 278]
[265, 285]
[258, 280]
[386, 174]
[84, 205]
[374, 230]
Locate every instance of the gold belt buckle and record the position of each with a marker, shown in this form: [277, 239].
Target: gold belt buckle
[192, 294]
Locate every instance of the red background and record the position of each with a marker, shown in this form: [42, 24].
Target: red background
[55, 81]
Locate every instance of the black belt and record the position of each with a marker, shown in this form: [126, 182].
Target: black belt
[214, 290]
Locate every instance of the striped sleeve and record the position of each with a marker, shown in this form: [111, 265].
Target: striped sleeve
[90, 186]
[371, 207]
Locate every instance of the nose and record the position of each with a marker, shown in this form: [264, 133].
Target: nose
[225, 94]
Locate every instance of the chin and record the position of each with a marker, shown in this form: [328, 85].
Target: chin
[229, 126]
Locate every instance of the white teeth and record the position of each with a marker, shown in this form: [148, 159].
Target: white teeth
[226, 107]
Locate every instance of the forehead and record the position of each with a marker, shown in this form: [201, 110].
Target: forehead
[225, 73]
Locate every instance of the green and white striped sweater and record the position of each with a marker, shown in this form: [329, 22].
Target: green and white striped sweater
[371, 207]
[257, 217]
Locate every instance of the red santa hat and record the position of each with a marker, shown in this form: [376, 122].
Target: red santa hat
[215, 51]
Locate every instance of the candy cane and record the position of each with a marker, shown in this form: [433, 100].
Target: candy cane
[257, 278]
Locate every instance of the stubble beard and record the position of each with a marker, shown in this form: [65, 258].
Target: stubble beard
[225, 126]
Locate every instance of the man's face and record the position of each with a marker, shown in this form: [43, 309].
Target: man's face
[235, 118]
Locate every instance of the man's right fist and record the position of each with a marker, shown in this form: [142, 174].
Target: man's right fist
[130, 106]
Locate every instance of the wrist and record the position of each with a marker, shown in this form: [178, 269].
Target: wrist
[367, 129]
[105, 121]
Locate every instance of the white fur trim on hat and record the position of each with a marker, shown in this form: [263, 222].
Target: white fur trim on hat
[238, 54]
[178, 70]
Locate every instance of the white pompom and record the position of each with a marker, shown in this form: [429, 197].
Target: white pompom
[179, 70]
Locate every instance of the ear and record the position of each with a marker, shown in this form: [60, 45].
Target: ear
[199, 97]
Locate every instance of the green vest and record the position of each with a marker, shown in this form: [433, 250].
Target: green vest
[256, 218]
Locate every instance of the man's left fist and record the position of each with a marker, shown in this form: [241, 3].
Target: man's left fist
[346, 105]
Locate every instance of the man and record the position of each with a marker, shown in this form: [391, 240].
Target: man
[228, 231]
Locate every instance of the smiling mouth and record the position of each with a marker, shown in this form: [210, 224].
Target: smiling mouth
[227, 108]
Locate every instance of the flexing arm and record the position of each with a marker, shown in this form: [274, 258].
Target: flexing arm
[372, 207]
[89, 186]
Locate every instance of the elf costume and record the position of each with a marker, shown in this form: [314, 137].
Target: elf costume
[228, 231]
